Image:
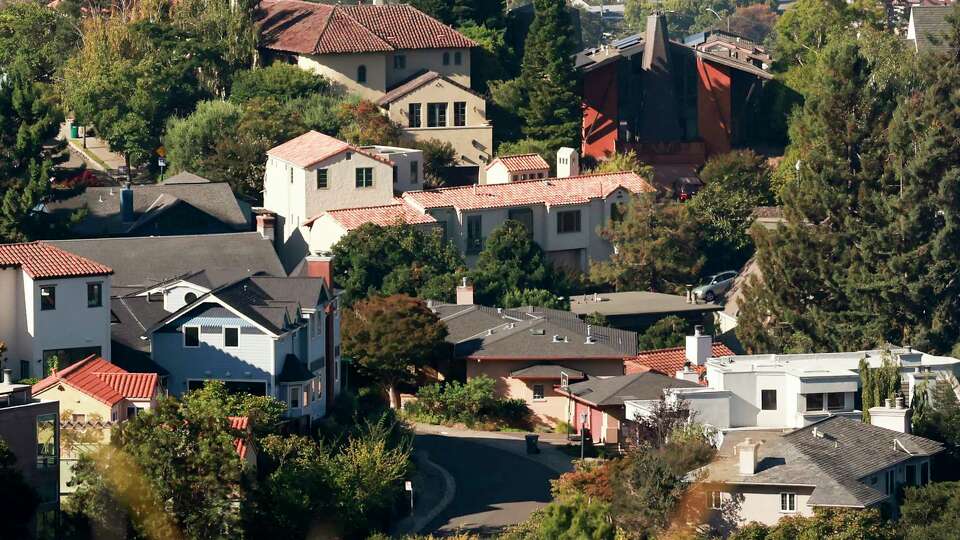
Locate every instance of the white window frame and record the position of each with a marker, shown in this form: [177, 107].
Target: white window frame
[363, 171]
[715, 501]
[224, 332]
[185, 346]
[298, 395]
[53, 288]
[543, 391]
[790, 498]
[99, 285]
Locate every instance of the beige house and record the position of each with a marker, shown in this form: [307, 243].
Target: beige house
[374, 50]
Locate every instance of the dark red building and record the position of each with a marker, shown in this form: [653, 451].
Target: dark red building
[671, 102]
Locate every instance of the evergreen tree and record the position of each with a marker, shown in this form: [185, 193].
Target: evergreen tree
[512, 261]
[551, 110]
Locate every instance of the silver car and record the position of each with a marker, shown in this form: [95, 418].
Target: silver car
[715, 286]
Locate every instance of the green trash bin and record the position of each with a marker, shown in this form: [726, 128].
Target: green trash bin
[74, 131]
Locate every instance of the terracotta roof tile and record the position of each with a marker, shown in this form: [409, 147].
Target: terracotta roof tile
[522, 162]
[241, 423]
[102, 381]
[313, 147]
[41, 260]
[670, 361]
[550, 192]
[309, 28]
[390, 214]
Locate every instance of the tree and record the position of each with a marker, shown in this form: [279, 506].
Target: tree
[438, 156]
[464, 12]
[685, 16]
[647, 490]
[17, 498]
[282, 82]
[390, 337]
[533, 297]
[511, 260]
[529, 146]
[373, 260]
[665, 333]
[39, 37]
[754, 21]
[551, 109]
[825, 523]
[931, 511]
[492, 59]
[626, 161]
[367, 124]
[653, 252]
[18, 221]
[29, 121]
[190, 140]
[577, 519]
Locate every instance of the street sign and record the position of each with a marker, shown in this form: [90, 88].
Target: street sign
[162, 163]
[408, 486]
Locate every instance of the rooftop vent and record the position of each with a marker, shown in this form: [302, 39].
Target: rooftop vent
[538, 331]
[557, 338]
[590, 340]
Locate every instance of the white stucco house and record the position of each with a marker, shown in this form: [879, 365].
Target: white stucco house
[56, 308]
[516, 168]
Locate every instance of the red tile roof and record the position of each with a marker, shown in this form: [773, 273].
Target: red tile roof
[313, 147]
[669, 361]
[309, 28]
[522, 162]
[549, 191]
[102, 381]
[390, 214]
[45, 261]
[241, 423]
[417, 82]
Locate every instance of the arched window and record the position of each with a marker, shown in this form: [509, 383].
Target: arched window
[362, 74]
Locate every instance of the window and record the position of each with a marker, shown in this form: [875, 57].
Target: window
[458, 58]
[94, 294]
[395, 174]
[835, 401]
[348, 156]
[78, 418]
[364, 177]
[322, 179]
[131, 412]
[890, 482]
[436, 115]
[414, 172]
[413, 115]
[231, 337]
[294, 394]
[24, 369]
[814, 402]
[362, 74]
[191, 336]
[617, 212]
[716, 500]
[924, 473]
[46, 441]
[568, 222]
[768, 400]
[446, 58]
[522, 215]
[399, 61]
[788, 502]
[474, 234]
[48, 298]
[537, 392]
[460, 113]
[911, 479]
[336, 351]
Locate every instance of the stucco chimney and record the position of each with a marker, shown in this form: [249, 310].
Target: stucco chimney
[7, 376]
[688, 374]
[747, 454]
[896, 418]
[267, 226]
[464, 294]
[568, 162]
[699, 347]
[320, 265]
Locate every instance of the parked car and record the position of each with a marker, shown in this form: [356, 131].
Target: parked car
[715, 286]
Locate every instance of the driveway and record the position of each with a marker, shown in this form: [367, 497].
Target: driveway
[496, 485]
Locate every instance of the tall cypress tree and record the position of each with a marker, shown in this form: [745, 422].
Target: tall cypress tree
[552, 106]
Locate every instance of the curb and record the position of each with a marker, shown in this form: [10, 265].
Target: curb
[449, 491]
[87, 156]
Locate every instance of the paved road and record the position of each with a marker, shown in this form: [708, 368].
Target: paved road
[494, 488]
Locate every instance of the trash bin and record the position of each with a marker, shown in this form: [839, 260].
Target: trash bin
[532, 447]
[74, 131]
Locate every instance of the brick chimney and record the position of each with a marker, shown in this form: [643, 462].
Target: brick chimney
[747, 456]
[320, 265]
[464, 294]
[699, 347]
[267, 226]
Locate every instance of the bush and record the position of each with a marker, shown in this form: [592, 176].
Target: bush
[471, 403]
[282, 82]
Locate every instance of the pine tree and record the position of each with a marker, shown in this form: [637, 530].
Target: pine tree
[551, 111]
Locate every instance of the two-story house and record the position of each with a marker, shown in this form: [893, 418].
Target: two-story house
[315, 172]
[265, 335]
[57, 308]
[415, 67]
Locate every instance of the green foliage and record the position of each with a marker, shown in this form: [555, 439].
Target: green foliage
[18, 222]
[826, 523]
[941, 422]
[437, 157]
[503, 108]
[389, 338]
[459, 13]
[265, 412]
[282, 82]
[190, 140]
[511, 260]
[653, 242]
[753, 21]
[684, 17]
[931, 511]
[646, 491]
[668, 332]
[551, 108]
[528, 146]
[534, 297]
[17, 498]
[475, 402]
[397, 259]
[492, 59]
[628, 161]
[39, 37]
[577, 519]
[597, 319]
[368, 125]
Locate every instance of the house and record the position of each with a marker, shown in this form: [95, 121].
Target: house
[563, 214]
[673, 103]
[685, 362]
[30, 428]
[184, 204]
[725, 43]
[637, 310]
[928, 28]
[155, 276]
[264, 335]
[57, 308]
[517, 168]
[529, 352]
[94, 396]
[836, 462]
[326, 229]
[796, 390]
[596, 406]
[415, 67]
[315, 172]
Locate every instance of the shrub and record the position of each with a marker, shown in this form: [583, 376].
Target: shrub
[470, 403]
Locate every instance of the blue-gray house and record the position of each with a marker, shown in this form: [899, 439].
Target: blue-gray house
[266, 335]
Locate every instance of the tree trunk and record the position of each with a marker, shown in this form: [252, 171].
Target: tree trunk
[394, 396]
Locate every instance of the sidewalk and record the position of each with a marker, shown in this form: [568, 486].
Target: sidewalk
[513, 442]
[97, 153]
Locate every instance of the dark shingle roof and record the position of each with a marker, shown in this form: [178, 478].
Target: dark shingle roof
[294, 370]
[615, 390]
[546, 371]
[140, 262]
[193, 208]
[931, 26]
[273, 302]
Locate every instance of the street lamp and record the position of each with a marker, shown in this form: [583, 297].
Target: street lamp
[719, 18]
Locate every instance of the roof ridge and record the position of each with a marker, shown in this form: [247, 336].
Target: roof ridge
[339, 8]
[535, 180]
